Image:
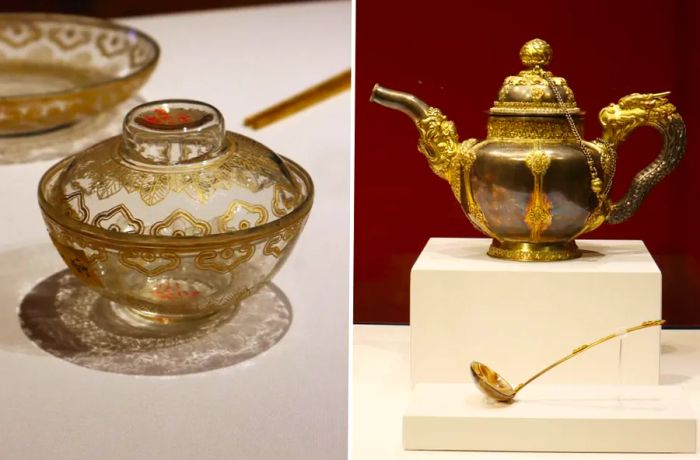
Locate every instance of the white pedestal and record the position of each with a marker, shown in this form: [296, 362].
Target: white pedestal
[551, 418]
[520, 316]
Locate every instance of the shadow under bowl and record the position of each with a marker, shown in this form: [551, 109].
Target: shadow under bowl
[74, 323]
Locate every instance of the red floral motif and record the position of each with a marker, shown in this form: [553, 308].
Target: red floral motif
[161, 116]
[174, 291]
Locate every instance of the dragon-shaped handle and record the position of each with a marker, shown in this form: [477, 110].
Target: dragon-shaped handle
[619, 120]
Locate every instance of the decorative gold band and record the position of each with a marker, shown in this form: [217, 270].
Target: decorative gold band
[535, 252]
[538, 128]
[532, 108]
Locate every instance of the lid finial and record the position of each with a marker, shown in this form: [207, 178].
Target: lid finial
[532, 90]
[172, 132]
[535, 53]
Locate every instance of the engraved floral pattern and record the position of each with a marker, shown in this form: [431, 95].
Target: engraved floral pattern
[181, 223]
[242, 215]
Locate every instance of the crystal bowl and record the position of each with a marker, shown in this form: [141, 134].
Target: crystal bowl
[56, 69]
[177, 219]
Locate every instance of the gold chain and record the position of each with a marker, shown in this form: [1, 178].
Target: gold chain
[596, 182]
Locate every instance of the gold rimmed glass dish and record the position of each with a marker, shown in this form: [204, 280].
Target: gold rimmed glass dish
[176, 220]
[56, 70]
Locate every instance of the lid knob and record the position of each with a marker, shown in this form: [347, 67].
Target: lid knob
[533, 91]
[171, 132]
[535, 53]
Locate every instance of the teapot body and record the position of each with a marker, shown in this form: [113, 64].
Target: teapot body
[528, 187]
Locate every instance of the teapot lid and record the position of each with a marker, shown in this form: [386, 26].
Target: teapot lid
[177, 172]
[529, 92]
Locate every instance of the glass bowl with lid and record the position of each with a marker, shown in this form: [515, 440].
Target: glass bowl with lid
[177, 219]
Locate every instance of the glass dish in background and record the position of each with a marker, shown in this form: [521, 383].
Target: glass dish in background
[56, 70]
[59, 143]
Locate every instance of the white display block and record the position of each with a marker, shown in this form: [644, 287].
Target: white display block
[520, 316]
[551, 418]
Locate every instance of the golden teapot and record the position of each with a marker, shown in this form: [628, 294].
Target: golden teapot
[534, 185]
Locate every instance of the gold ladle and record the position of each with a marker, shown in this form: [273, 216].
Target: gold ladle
[496, 387]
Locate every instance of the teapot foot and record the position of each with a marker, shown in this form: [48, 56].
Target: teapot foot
[534, 252]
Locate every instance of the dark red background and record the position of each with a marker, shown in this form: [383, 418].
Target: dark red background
[112, 9]
[455, 55]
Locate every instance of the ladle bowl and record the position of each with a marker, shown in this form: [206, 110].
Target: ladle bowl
[491, 383]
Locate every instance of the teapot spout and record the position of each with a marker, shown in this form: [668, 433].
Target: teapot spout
[447, 157]
[438, 137]
[403, 102]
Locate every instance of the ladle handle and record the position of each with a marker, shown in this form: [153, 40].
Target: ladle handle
[588, 346]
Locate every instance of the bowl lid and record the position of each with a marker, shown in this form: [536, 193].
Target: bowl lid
[176, 172]
[529, 92]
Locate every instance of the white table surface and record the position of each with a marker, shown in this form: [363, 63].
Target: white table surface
[381, 390]
[289, 402]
